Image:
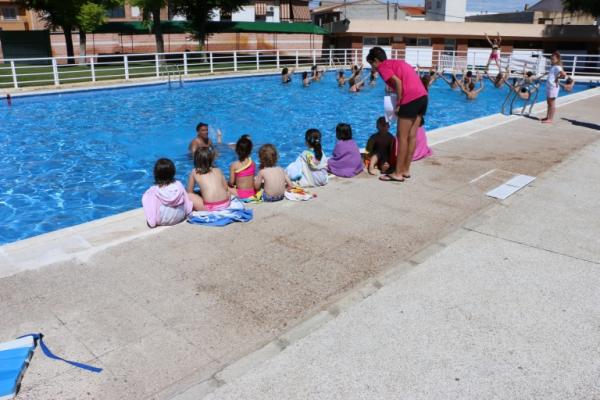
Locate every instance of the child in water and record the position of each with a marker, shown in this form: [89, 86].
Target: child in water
[241, 172]
[306, 79]
[271, 178]
[214, 193]
[310, 168]
[346, 160]
[165, 203]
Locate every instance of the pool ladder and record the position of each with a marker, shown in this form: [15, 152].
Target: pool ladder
[172, 71]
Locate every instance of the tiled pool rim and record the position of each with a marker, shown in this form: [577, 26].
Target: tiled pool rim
[84, 240]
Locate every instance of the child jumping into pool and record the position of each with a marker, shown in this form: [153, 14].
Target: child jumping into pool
[165, 203]
[345, 160]
[310, 168]
[272, 179]
[214, 193]
[241, 172]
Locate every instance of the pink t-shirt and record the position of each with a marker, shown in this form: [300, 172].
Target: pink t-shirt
[412, 87]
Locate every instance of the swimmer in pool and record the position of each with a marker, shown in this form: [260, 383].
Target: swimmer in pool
[201, 140]
[286, 75]
[499, 79]
[469, 89]
[341, 80]
[567, 85]
[306, 79]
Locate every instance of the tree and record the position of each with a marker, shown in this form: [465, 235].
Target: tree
[151, 11]
[586, 6]
[67, 15]
[91, 16]
[199, 12]
[57, 14]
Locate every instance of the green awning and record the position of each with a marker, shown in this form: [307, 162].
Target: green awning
[138, 28]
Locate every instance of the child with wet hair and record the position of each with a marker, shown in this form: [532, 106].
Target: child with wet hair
[165, 203]
[241, 172]
[345, 160]
[214, 193]
[272, 179]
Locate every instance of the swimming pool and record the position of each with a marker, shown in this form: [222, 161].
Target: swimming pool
[73, 157]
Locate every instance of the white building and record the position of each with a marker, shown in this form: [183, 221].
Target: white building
[445, 10]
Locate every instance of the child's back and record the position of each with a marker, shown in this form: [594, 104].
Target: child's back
[345, 160]
[165, 203]
[310, 168]
[271, 178]
[214, 193]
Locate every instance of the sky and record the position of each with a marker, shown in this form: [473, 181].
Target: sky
[474, 5]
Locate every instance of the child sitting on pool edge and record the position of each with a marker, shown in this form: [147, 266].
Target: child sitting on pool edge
[165, 203]
[214, 193]
[345, 160]
[271, 178]
[310, 168]
[241, 172]
[380, 148]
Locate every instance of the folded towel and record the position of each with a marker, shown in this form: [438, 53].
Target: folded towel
[236, 212]
[299, 194]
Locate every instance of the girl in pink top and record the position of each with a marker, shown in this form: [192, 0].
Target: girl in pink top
[411, 107]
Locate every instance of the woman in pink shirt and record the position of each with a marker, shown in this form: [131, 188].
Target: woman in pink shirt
[411, 107]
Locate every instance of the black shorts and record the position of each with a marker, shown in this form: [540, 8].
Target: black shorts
[414, 108]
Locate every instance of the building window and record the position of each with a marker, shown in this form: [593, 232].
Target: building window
[423, 42]
[449, 44]
[376, 41]
[545, 21]
[9, 13]
[116, 12]
[438, 4]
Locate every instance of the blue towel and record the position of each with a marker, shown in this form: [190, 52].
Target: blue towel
[14, 360]
[235, 213]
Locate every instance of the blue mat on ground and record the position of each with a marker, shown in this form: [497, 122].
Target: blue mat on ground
[236, 212]
[14, 360]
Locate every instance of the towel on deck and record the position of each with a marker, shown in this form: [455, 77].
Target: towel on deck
[14, 360]
[236, 212]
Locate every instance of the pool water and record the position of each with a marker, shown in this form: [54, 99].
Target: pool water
[75, 157]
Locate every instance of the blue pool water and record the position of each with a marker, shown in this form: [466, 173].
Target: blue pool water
[74, 157]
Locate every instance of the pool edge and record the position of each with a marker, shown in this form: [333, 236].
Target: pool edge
[84, 240]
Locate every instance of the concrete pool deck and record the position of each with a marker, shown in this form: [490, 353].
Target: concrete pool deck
[166, 309]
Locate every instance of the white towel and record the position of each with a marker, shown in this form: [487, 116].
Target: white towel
[389, 108]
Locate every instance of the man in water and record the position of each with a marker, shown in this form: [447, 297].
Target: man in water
[201, 140]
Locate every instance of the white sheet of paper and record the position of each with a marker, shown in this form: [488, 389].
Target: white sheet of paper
[510, 187]
[520, 181]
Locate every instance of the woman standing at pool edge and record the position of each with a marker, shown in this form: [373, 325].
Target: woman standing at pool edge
[552, 87]
[495, 54]
[411, 107]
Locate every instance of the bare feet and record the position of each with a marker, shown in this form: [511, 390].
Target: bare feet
[391, 178]
[546, 121]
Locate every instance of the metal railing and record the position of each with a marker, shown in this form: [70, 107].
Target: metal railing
[16, 73]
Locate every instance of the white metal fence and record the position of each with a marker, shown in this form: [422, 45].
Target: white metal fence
[15, 73]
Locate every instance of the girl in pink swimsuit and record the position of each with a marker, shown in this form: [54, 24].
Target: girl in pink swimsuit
[241, 172]
[495, 54]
